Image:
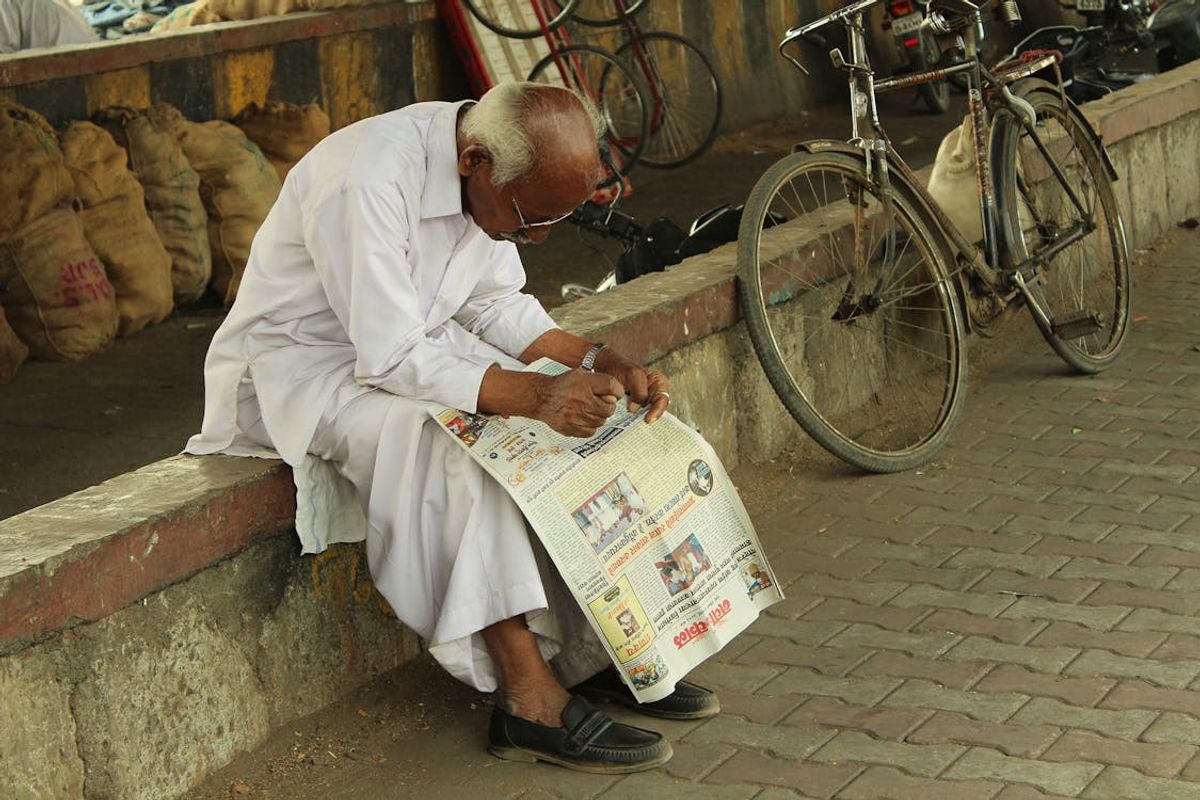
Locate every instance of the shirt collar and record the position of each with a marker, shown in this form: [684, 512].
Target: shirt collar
[442, 195]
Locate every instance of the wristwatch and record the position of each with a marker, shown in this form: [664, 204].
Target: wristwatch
[589, 360]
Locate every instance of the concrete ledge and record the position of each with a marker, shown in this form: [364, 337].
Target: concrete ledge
[94, 552]
[186, 574]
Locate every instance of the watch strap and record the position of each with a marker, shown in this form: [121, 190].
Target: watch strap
[589, 360]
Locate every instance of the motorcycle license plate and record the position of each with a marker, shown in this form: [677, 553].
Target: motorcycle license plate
[1089, 5]
[910, 22]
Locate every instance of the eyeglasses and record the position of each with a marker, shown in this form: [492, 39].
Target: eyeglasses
[541, 224]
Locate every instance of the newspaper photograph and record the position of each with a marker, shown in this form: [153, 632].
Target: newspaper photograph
[645, 527]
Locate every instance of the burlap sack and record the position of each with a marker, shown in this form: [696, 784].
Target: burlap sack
[238, 187]
[54, 290]
[13, 351]
[284, 131]
[117, 227]
[172, 190]
[186, 16]
[33, 179]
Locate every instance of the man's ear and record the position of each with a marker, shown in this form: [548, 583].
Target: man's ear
[472, 159]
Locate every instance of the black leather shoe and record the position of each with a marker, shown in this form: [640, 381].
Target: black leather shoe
[588, 741]
[688, 701]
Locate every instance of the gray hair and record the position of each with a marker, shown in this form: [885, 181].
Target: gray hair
[501, 123]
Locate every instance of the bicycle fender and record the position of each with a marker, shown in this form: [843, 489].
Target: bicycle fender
[1072, 109]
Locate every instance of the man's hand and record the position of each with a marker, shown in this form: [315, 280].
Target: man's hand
[643, 386]
[577, 403]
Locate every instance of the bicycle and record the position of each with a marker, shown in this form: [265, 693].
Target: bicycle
[676, 81]
[858, 306]
[591, 71]
[679, 82]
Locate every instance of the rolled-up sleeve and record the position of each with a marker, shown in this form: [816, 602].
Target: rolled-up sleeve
[498, 312]
[358, 238]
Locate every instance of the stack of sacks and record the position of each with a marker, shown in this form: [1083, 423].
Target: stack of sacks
[172, 190]
[284, 131]
[238, 188]
[202, 12]
[117, 226]
[53, 288]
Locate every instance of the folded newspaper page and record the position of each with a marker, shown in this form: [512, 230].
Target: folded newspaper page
[645, 527]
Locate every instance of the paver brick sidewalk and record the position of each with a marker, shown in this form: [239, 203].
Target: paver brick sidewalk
[1014, 621]
[1017, 620]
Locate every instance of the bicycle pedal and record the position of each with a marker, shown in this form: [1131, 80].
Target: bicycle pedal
[1077, 324]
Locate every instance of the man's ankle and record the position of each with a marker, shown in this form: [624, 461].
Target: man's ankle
[543, 707]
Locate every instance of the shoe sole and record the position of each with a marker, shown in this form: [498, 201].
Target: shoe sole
[599, 696]
[533, 756]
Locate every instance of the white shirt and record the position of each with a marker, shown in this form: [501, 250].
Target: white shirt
[26, 24]
[367, 266]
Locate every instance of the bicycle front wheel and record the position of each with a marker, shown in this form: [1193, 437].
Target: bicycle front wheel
[598, 75]
[518, 19]
[684, 95]
[1085, 286]
[852, 311]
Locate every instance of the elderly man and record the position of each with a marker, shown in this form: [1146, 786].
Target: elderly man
[385, 278]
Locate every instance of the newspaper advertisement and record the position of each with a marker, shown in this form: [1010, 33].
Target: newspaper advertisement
[645, 527]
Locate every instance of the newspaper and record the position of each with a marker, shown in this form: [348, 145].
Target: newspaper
[644, 526]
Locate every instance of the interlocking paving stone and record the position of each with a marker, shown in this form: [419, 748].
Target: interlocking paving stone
[1178, 646]
[800, 631]
[782, 741]
[1047, 711]
[1013, 740]
[982, 763]
[1120, 594]
[1157, 555]
[694, 761]
[656, 784]
[736, 677]
[914, 553]
[1150, 619]
[1074, 530]
[1147, 577]
[875, 592]
[1064, 591]
[917, 644]
[828, 660]
[885, 723]
[765, 708]
[861, 691]
[1042, 659]
[987, 706]
[1125, 643]
[1163, 760]
[879, 782]
[842, 610]
[938, 576]
[1073, 691]
[1038, 566]
[1002, 541]
[926, 760]
[817, 780]
[1139, 694]
[956, 675]
[1104, 551]
[1014, 631]
[1176, 674]
[1093, 616]
[935, 597]
[1122, 783]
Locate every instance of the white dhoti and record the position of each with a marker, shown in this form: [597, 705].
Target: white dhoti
[463, 559]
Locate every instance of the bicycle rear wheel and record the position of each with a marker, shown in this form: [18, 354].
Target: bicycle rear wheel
[862, 340]
[681, 87]
[598, 75]
[516, 19]
[1086, 286]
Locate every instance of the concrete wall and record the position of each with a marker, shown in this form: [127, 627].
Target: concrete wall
[155, 625]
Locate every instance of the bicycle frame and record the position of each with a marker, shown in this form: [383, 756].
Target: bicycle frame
[880, 155]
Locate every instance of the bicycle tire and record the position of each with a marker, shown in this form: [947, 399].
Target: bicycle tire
[631, 8]
[839, 387]
[684, 94]
[617, 96]
[498, 16]
[1101, 271]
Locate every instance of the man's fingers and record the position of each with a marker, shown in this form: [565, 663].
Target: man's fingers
[638, 385]
[658, 405]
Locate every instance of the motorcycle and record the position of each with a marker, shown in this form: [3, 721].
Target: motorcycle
[1124, 41]
[919, 49]
[656, 246]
